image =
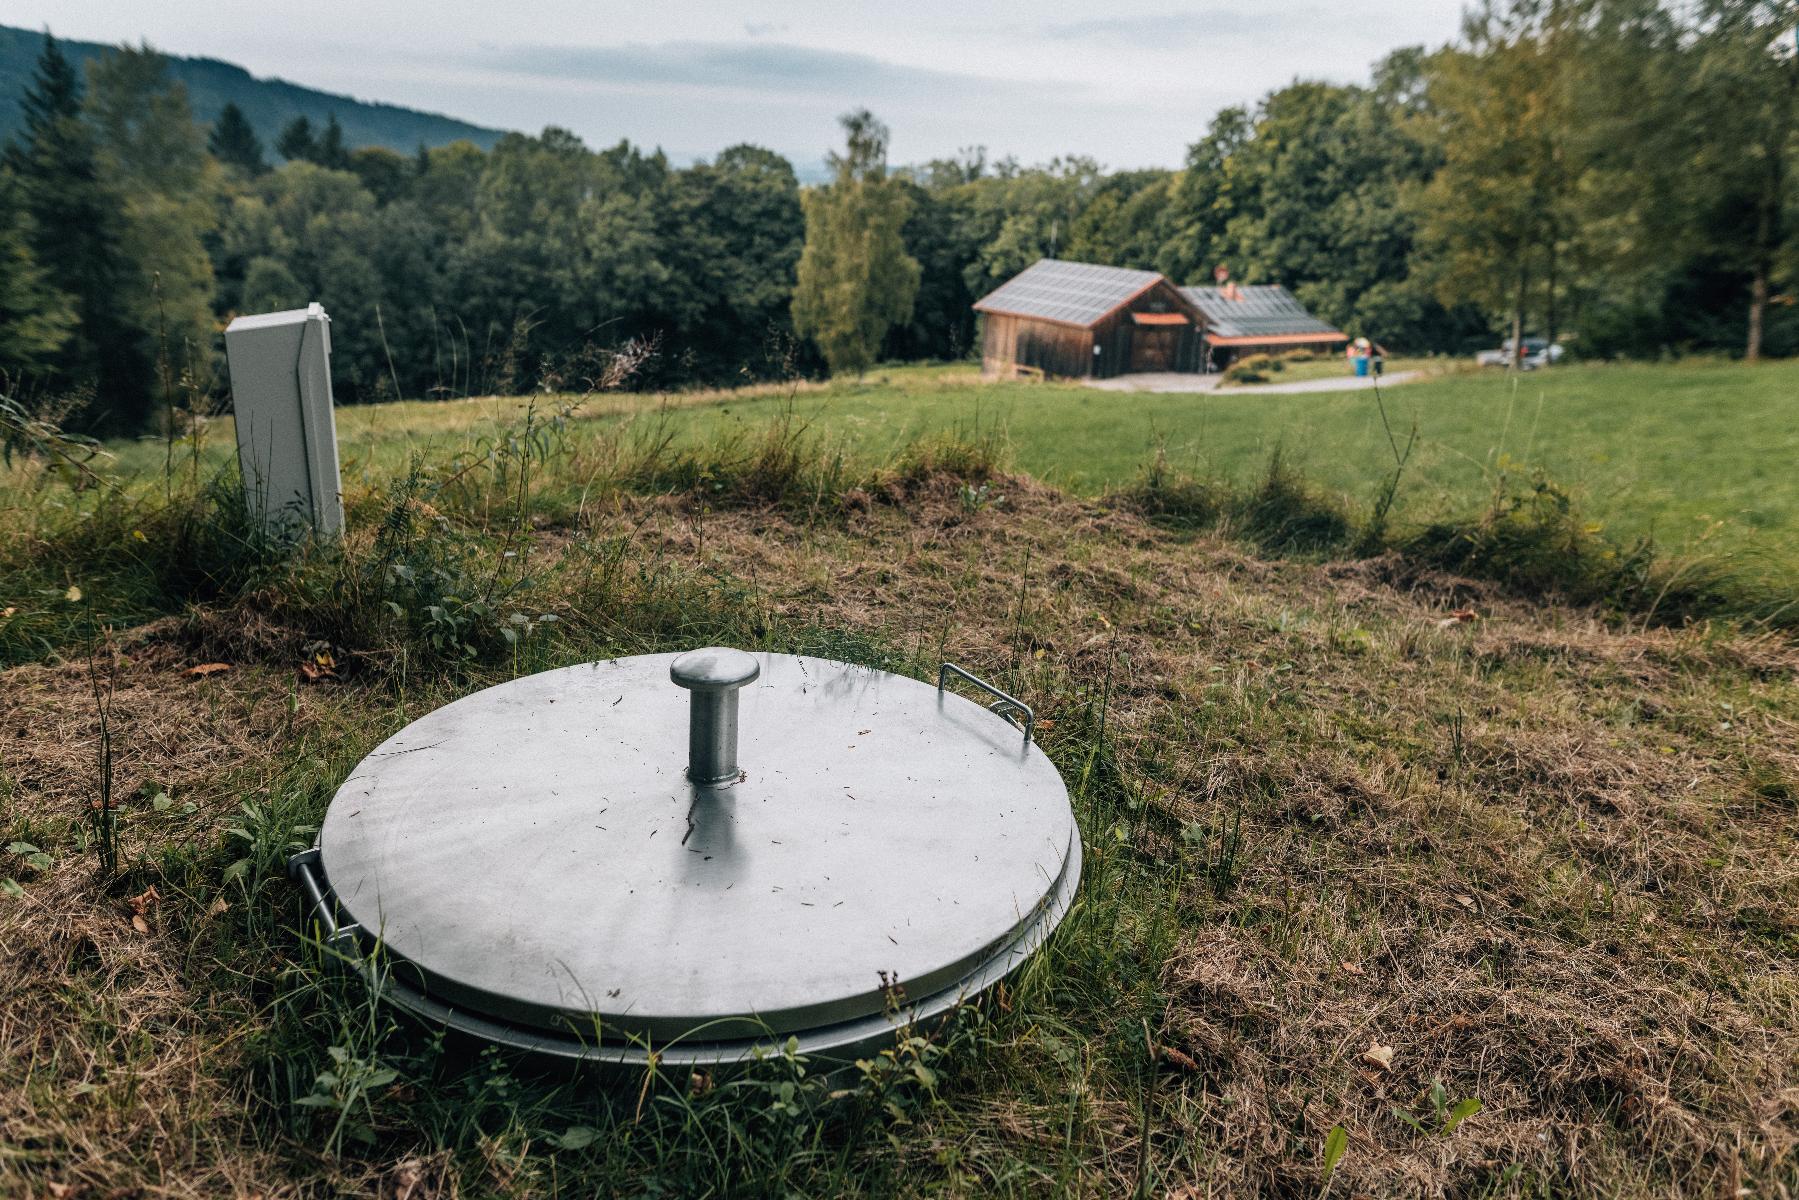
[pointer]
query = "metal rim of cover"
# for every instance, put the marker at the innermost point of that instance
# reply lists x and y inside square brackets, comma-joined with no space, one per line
[898,847]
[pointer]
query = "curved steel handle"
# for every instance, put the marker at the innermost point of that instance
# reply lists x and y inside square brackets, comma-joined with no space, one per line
[1004,705]
[302,868]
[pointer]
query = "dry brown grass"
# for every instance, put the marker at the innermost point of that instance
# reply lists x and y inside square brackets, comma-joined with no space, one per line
[1575,909]
[1548,862]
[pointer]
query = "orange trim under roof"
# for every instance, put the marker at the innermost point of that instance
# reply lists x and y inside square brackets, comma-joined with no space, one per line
[1160,318]
[1276,339]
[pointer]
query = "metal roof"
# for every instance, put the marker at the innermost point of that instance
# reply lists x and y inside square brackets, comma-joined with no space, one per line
[1255,312]
[1070,292]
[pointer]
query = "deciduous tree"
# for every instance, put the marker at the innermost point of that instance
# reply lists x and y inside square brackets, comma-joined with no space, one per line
[1498,208]
[855,279]
[1746,84]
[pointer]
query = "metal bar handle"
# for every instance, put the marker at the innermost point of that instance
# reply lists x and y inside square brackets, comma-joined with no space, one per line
[1004,705]
[302,868]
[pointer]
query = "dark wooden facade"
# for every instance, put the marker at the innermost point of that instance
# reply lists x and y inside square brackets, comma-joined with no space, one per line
[1155,330]
[1132,339]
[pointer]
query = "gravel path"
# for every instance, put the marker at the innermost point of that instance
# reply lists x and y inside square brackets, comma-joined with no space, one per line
[1176,382]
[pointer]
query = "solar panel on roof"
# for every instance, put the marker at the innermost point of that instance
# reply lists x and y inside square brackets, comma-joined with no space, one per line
[1260,311]
[1076,293]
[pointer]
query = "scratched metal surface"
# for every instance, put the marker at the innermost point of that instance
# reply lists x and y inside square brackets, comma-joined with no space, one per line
[535,852]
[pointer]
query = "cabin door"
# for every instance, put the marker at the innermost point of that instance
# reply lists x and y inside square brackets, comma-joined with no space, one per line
[1153,347]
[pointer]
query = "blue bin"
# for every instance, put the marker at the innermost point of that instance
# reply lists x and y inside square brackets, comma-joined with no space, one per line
[1361,364]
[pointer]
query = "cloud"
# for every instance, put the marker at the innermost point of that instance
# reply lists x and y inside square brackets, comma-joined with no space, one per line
[760,29]
[768,67]
[1165,29]
[687,96]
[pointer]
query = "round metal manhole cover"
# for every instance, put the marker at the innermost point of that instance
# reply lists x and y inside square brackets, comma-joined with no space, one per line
[536,852]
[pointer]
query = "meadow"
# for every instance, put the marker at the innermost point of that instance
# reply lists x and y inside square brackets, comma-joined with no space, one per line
[1698,456]
[1401,880]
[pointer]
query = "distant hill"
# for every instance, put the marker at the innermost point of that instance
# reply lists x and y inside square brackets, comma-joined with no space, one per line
[269,103]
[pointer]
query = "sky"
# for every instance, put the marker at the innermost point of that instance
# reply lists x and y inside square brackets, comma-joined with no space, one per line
[1130,83]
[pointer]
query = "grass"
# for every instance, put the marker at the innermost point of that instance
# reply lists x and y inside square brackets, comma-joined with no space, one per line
[1332,807]
[1696,455]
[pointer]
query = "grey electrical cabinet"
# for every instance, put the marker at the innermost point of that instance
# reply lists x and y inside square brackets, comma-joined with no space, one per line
[286,432]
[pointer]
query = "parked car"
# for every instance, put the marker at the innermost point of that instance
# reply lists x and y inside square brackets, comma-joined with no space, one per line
[1538,352]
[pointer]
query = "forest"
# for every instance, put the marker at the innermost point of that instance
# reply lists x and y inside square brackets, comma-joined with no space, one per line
[1618,174]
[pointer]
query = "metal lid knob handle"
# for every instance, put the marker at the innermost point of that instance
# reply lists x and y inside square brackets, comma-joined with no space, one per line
[714,675]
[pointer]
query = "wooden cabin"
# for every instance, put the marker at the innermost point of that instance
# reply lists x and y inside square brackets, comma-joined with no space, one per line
[1080,320]
[1257,320]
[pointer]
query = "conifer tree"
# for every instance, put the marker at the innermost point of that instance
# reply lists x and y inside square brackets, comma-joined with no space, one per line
[332,151]
[856,280]
[73,231]
[35,318]
[154,155]
[234,143]
[297,143]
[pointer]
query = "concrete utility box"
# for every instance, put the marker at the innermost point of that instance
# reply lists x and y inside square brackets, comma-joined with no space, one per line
[286,432]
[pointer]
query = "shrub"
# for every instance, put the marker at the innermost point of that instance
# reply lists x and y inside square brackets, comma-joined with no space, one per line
[1176,500]
[1253,368]
[1286,515]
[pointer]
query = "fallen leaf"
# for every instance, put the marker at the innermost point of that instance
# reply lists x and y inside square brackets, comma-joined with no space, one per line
[145,900]
[209,668]
[1350,968]
[1047,723]
[1377,1055]
[138,923]
[218,907]
[73,595]
[8,611]
[1466,901]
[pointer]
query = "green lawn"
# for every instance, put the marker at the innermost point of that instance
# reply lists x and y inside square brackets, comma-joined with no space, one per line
[1704,456]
